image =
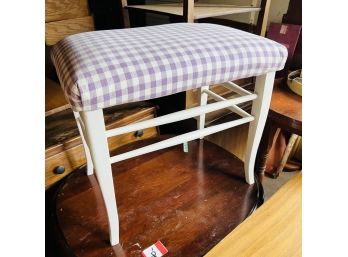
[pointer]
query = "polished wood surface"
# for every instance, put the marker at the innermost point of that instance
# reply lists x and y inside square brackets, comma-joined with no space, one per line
[285,113]
[189,201]
[273,230]
[286,108]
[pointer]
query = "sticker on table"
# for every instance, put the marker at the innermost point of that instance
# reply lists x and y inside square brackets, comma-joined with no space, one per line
[155,250]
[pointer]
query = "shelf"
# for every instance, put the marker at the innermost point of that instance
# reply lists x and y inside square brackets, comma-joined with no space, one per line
[200,10]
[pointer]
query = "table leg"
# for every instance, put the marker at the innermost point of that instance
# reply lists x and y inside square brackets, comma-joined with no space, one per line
[259,110]
[268,136]
[286,154]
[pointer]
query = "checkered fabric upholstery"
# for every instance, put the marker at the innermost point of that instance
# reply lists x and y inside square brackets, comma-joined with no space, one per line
[104,68]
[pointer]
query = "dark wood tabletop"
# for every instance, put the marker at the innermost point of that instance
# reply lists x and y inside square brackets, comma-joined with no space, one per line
[189,201]
[285,113]
[286,108]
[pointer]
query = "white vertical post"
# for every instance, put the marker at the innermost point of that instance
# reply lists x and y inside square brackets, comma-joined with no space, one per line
[202,100]
[98,146]
[263,89]
[89,163]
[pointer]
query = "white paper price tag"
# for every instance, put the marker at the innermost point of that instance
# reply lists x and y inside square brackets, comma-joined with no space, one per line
[155,250]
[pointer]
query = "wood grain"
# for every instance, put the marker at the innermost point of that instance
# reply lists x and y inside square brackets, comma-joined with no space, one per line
[57,10]
[54,98]
[74,157]
[190,205]
[286,154]
[273,230]
[57,30]
[233,140]
[61,130]
[285,113]
[64,145]
[200,12]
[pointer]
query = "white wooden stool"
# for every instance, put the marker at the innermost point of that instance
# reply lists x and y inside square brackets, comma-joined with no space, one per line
[104,68]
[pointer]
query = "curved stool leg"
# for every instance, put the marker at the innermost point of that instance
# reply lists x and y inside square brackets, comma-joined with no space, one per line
[263,89]
[89,163]
[98,146]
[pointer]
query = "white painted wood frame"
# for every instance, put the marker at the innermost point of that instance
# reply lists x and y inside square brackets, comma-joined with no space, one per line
[82,130]
[233,108]
[263,89]
[98,146]
[180,115]
[92,129]
[200,133]
[202,100]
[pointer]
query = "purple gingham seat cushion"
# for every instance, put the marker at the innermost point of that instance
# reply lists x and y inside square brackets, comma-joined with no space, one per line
[104,68]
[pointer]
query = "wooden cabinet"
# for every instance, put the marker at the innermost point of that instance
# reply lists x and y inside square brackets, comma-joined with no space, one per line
[64,146]
[64,151]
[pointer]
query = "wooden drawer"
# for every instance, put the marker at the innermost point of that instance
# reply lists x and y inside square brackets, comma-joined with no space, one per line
[64,146]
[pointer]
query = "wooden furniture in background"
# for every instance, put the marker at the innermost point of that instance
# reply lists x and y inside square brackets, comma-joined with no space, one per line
[286,107]
[62,18]
[54,98]
[194,11]
[63,142]
[190,205]
[191,11]
[294,16]
[285,113]
[64,149]
[273,230]
[289,148]
[57,30]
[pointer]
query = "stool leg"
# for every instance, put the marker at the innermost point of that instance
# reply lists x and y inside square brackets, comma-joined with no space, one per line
[263,89]
[97,140]
[202,99]
[80,125]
